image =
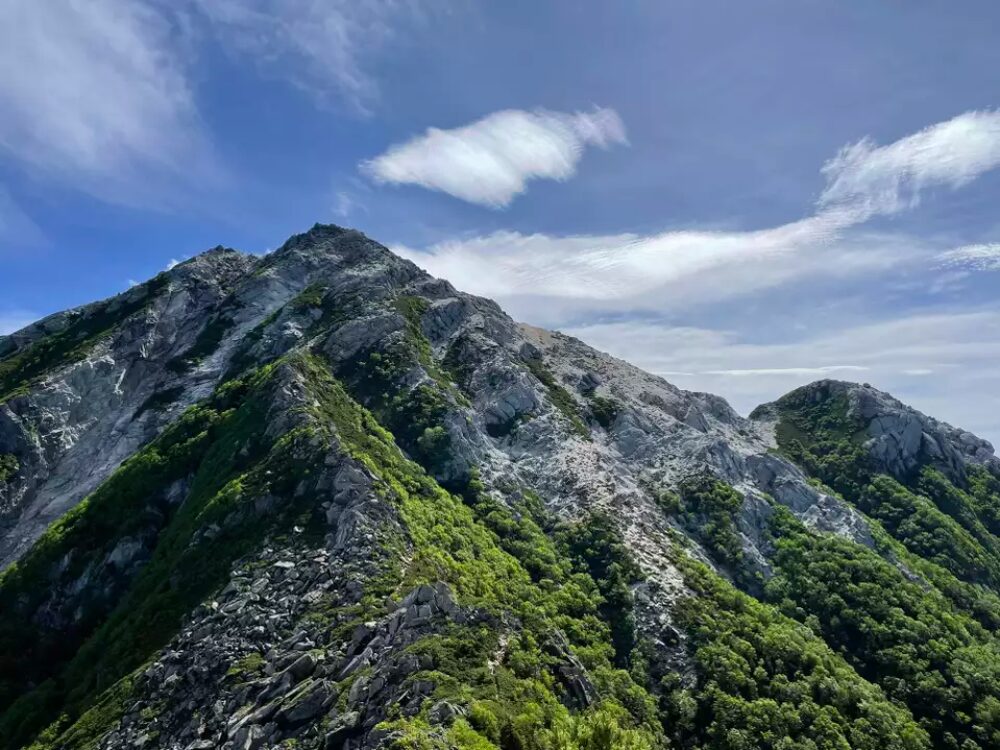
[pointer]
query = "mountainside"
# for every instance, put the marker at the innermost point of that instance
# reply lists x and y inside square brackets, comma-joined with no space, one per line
[321,499]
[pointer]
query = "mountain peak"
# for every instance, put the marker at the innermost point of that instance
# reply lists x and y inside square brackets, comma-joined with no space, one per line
[898,438]
[317,233]
[322,499]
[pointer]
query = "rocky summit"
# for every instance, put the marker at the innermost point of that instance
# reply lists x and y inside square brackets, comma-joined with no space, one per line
[321,499]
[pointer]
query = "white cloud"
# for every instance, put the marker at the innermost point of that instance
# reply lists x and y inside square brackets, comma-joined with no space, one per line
[94,94]
[99,94]
[344,204]
[546,279]
[984,257]
[15,320]
[795,371]
[941,363]
[322,46]
[557,277]
[490,161]
[875,179]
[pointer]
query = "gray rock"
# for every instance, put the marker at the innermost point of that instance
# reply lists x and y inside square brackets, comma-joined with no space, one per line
[307,705]
[288,598]
[444,712]
[302,667]
[249,737]
[341,729]
[571,671]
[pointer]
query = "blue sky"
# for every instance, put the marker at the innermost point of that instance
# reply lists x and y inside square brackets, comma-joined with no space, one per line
[743,197]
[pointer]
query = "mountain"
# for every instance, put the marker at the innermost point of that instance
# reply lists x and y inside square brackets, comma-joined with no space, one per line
[321,499]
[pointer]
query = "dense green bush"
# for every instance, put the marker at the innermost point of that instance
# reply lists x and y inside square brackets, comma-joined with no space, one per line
[9,466]
[948,525]
[819,435]
[706,508]
[764,681]
[752,676]
[604,410]
[925,530]
[984,490]
[500,560]
[902,635]
[222,446]
[596,547]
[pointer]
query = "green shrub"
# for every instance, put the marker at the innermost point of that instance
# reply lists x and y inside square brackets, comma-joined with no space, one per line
[706,507]
[764,681]
[223,445]
[906,637]
[560,397]
[604,410]
[9,466]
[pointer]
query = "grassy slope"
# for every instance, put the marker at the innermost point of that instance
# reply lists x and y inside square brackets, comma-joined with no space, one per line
[452,544]
[221,446]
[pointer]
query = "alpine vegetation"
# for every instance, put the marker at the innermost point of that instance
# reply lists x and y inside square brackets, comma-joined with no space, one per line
[321,500]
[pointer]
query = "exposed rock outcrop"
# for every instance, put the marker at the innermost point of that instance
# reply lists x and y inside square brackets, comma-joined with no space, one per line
[898,439]
[297,644]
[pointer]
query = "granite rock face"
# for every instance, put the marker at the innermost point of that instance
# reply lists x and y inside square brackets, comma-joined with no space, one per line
[897,438]
[72,425]
[75,424]
[498,403]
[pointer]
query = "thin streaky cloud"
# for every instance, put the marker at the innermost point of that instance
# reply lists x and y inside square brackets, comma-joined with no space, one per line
[983,257]
[16,227]
[799,371]
[323,47]
[898,354]
[346,205]
[874,179]
[95,95]
[101,95]
[548,279]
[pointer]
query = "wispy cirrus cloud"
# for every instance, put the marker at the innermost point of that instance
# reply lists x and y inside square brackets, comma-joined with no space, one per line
[16,227]
[102,95]
[323,47]
[983,257]
[874,179]
[95,95]
[550,279]
[489,162]
[811,372]
[645,283]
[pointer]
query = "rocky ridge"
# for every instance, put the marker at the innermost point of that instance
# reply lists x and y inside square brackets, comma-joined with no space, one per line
[898,438]
[476,399]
